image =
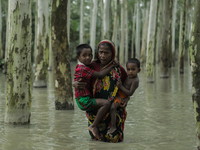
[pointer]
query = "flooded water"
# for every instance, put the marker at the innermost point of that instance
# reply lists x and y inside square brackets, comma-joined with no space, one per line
[160,116]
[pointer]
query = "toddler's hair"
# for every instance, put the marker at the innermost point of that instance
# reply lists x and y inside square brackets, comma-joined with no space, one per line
[134,60]
[80,47]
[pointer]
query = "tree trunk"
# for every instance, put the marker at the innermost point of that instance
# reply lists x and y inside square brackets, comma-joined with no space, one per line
[195,64]
[173,31]
[81,32]
[164,51]
[182,43]
[133,33]
[1,50]
[68,22]
[137,52]
[126,32]
[159,31]
[60,48]
[93,27]
[144,35]
[7,39]
[18,99]
[42,58]
[106,19]
[170,33]
[121,51]
[151,41]
[115,28]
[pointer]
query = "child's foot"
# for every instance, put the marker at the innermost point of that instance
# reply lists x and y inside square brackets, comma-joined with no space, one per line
[111,130]
[94,131]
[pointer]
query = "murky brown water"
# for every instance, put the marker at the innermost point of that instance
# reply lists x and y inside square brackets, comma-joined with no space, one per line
[160,116]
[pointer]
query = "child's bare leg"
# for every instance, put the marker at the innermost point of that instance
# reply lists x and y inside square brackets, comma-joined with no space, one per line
[113,108]
[104,106]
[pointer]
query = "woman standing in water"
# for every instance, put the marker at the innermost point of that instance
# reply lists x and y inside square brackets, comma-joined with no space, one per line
[106,88]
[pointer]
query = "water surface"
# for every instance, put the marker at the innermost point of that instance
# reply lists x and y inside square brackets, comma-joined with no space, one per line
[160,116]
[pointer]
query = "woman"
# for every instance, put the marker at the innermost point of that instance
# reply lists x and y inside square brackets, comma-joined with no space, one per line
[106,88]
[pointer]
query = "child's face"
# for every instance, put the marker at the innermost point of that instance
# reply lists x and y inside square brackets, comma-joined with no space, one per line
[132,69]
[85,56]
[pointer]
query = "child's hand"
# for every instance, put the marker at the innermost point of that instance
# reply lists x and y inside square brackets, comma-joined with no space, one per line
[115,63]
[119,83]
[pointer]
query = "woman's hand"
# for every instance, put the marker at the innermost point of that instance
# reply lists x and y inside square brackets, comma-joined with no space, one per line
[119,83]
[116,63]
[79,84]
[124,102]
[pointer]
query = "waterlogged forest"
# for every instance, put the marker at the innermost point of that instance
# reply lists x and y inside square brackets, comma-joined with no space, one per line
[39,37]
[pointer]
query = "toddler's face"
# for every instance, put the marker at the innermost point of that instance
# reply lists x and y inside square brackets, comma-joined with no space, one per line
[132,69]
[85,56]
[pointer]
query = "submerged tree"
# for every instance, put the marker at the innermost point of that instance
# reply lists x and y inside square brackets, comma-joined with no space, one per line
[61,59]
[151,41]
[1,50]
[182,38]
[93,27]
[164,51]
[18,98]
[40,76]
[195,64]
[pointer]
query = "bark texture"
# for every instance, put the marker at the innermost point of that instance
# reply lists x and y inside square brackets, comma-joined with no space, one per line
[195,64]
[61,56]
[151,41]
[182,43]
[18,98]
[40,76]
[164,51]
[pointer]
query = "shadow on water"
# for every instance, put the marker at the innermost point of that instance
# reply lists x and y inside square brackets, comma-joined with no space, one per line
[160,116]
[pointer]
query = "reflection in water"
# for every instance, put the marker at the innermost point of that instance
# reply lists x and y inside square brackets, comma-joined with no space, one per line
[160,116]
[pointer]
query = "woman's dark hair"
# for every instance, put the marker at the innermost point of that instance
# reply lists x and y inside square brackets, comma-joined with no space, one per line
[134,60]
[80,47]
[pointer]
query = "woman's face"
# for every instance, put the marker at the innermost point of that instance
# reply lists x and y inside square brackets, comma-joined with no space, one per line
[104,54]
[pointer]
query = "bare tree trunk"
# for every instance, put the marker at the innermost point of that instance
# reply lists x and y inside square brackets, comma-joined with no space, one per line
[137,52]
[1,50]
[18,99]
[7,39]
[144,35]
[93,27]
[126,32]
[60,48]
[121,51]
[164,51]
[159,31]
[81,33]
[68,21]
[106,19]
[195,64]
[40,76]
[133,33]
[170,33]
[115,28]
[182,43]
[173,31]
[151,41]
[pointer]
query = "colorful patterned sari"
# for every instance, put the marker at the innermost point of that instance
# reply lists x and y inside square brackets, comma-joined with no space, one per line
[106,88]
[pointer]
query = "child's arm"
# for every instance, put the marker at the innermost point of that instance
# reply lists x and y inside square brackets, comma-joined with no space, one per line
[105,71]
[134,86]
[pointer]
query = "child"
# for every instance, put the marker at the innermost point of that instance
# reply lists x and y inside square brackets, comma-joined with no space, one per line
[83,97]
[127,89]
